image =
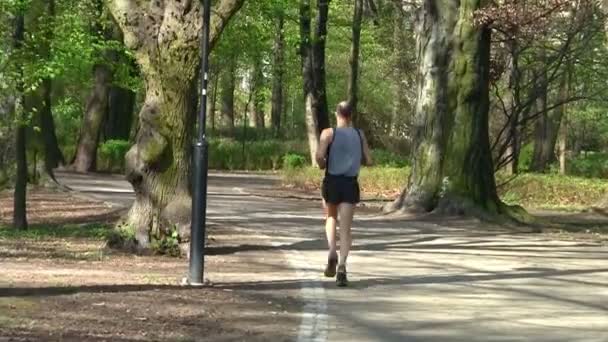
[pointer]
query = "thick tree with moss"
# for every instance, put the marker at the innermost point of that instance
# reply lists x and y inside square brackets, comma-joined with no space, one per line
[165,38]
[452,168]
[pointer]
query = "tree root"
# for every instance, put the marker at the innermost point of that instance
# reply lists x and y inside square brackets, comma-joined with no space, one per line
[456,206]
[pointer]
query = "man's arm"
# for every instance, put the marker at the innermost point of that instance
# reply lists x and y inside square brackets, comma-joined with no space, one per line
[367,155]
[325,140]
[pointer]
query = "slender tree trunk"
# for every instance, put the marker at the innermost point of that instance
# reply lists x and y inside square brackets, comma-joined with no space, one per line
[121,107]
[563,137]
[318,65]
[561,114]
[52,154]
[397,70]
[165,37]
[511,101]
[312,52]
[19,204]
[46,137]
[227,95]
[277,75]
[353,81]
[452,168]
[308,78]
[259,99]
[96,109]
[546,130]
[212,101]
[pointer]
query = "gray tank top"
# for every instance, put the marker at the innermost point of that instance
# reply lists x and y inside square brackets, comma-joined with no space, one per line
[345,153]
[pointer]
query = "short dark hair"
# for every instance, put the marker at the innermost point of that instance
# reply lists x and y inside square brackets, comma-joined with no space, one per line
[344,109]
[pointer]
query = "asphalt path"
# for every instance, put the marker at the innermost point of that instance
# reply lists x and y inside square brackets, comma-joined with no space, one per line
[411,280]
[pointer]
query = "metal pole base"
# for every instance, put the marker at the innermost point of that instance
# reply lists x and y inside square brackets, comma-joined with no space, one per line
[187,283]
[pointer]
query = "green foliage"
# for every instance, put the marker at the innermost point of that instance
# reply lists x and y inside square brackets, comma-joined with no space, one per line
[112,153]
[167,245]
[525,156]
[294,161]
[590,165]
[388,159]
[229,154]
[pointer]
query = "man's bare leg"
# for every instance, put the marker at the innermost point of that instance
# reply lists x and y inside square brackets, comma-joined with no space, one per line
[331,220]
[346,213]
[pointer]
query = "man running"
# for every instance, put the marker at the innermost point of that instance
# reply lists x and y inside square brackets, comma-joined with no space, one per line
[342,151]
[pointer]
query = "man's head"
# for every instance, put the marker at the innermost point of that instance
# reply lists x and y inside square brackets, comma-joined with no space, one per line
[344,110]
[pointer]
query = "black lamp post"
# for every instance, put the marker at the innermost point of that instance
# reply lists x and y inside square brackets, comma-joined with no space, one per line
[200,165]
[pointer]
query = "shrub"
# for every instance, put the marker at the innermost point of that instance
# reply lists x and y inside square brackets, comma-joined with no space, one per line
[111,155]
[293,161]
[525,156]
[388,159]
[167,245]
[590,165]
[230,154]
[225,154]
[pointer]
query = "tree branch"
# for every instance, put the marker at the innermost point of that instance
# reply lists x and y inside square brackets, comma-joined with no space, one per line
[129,16]
[220,16]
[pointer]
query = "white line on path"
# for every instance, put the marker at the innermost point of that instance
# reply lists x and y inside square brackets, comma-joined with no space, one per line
[314,326]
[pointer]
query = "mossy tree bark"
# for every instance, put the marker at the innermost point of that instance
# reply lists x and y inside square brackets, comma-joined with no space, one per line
[452,169]
[165,38]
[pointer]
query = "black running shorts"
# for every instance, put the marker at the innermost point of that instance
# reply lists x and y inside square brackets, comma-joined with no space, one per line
[340,189]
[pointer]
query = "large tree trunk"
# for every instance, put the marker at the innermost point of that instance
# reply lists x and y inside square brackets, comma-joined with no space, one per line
[95,111]
[165,37]
[452,168]
[312,52]
[19,198]
[277,76]
[353,81]
[228,85]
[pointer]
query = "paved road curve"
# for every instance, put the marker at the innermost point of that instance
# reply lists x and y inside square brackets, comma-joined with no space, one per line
[412,280]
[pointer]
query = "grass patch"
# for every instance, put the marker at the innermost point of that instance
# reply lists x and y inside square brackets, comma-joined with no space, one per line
[377,182]
[45,232]
[554,191]
[536,191]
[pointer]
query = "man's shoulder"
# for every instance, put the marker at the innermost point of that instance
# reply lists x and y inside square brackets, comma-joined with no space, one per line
[327,133]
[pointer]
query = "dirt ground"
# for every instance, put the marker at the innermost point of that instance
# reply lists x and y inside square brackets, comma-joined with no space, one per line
[56,285]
